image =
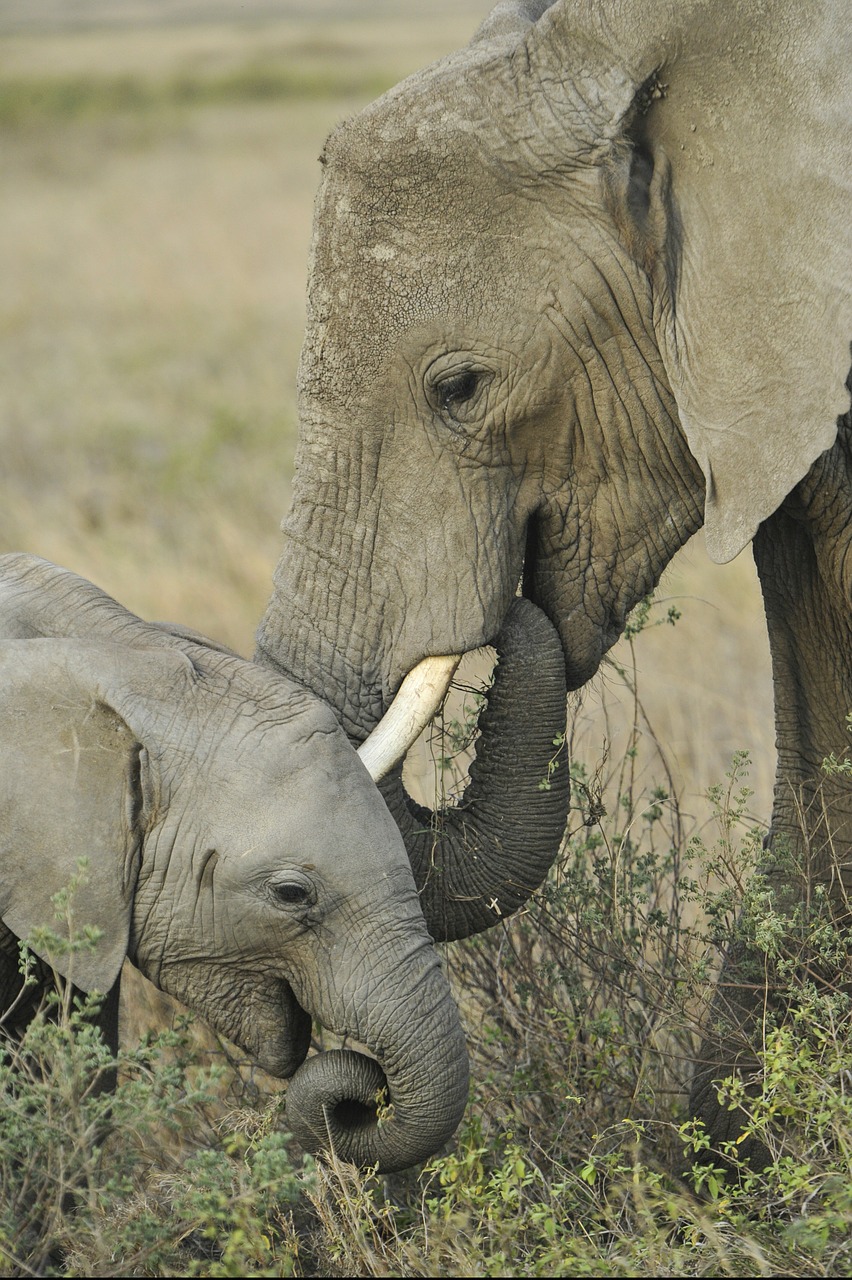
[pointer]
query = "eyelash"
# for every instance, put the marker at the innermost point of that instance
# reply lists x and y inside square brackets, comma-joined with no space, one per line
[458,389]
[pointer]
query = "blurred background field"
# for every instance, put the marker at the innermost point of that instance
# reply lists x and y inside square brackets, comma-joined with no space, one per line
[158,160]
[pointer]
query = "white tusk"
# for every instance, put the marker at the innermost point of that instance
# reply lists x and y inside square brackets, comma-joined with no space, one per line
[420,695]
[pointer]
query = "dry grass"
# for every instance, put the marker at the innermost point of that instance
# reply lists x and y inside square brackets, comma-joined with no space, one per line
[704,684]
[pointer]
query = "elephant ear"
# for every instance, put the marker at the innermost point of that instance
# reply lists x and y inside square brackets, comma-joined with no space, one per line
[38,598]
[729,124]
[70,789]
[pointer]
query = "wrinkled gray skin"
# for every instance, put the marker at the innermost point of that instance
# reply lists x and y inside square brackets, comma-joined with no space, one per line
[239,854]
[576,290]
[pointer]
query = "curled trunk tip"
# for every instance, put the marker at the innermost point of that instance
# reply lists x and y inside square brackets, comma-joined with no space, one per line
[334,1100]
[342,1101]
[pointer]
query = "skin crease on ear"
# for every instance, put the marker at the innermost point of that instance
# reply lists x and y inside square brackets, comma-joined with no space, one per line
[239,852]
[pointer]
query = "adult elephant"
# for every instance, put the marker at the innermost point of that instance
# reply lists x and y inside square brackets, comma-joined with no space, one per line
[239,854]
[575,290]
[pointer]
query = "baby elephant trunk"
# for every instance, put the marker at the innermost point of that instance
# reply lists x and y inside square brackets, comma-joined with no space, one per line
[399,1108]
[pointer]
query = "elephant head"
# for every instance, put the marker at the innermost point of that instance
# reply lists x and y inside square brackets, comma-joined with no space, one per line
[574,290]
[238,853]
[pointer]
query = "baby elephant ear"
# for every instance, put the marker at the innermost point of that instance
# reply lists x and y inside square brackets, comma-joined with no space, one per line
[69,791]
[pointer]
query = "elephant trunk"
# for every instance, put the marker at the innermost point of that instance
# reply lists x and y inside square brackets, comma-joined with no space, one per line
[398,1109]
[481,861]
[336,657]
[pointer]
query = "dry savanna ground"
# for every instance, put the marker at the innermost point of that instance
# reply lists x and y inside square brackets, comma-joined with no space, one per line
[158,168]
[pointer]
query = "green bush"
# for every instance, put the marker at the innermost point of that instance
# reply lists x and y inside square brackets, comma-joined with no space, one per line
[134,1179]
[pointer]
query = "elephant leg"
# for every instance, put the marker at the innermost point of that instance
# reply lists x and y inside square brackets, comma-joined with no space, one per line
[802,556]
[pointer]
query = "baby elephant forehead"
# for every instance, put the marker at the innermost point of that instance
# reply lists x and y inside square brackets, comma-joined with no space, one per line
[291,711]
[246,693]
[294,789]
[281,725]
[310,747]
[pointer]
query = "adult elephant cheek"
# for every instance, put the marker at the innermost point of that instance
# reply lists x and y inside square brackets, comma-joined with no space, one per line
[399,1108]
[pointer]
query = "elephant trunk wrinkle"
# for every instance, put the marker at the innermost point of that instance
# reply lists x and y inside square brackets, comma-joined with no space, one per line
[481,861]
[290,638]
[397,1108]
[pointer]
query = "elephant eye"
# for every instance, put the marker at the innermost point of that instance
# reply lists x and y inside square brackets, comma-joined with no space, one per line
[456,391]
[291,893]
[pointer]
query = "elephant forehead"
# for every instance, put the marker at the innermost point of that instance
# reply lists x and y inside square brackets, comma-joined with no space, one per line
[243,731]
[236,704]
[281,768]
[309,801]
[400,243]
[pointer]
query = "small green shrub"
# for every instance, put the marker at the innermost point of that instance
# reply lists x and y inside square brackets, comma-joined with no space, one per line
[134,1179]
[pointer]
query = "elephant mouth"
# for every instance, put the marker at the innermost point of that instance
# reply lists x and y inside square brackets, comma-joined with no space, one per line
[424,689]
[283,1053]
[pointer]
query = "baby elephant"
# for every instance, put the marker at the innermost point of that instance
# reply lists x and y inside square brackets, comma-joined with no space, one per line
[238,853]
